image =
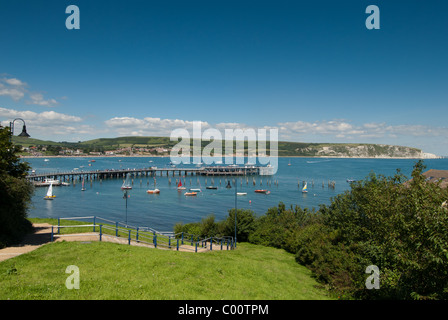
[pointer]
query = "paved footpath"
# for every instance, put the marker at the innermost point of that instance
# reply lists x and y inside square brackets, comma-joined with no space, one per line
[32,241]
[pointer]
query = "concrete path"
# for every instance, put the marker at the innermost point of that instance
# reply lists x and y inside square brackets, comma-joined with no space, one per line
[32,241]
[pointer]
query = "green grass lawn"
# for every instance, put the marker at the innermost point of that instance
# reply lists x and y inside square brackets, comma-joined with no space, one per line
[114,271]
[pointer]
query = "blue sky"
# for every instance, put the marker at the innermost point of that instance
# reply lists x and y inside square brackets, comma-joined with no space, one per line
[310,68]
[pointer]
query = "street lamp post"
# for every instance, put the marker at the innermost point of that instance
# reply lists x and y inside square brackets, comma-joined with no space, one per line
[23,133]
[126,197]
[236,208]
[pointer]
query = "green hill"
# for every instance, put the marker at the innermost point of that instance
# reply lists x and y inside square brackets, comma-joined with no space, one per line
[298,149]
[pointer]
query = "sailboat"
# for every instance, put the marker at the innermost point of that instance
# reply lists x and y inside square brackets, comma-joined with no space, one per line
[305,189]
[179,186]
[127,183]
[82,187]
[50,195]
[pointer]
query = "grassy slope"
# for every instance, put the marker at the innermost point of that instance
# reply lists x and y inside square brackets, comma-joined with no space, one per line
[113,271]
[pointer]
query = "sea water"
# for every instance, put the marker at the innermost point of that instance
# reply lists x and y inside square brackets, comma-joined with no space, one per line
[162,211]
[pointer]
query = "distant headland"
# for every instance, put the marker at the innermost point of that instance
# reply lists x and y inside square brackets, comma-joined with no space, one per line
[162,146]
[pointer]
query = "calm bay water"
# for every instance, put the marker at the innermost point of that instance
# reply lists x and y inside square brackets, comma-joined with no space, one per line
[162,211]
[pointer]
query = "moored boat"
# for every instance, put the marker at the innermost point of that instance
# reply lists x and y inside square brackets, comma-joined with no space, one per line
[263,191]
[190,193]
[153,191]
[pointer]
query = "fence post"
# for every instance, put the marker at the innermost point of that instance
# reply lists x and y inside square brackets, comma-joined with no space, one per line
[59,223]
[101,232]
[136,237]
[191,239]
[195,247]
[177,244]
[169,242]
[129,237]
[51,233]
[94,223]
[221,244]
[182,235]
[211,243]
[155,241]
[116,228]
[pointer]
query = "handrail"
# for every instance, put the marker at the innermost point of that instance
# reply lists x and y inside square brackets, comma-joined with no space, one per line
[158,239]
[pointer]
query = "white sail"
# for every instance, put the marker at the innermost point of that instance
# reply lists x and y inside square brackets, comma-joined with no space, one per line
[127,182]
[50,191]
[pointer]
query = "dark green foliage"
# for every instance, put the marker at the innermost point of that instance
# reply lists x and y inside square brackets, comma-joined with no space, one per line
[277,228]
[15,192]
[399,226]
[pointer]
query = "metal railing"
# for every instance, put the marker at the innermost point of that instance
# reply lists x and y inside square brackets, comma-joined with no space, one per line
[146,236]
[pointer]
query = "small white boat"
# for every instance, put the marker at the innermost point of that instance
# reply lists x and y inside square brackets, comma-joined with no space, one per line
[46,160]
[195,190]
[50,195]
[190,193]
[127,183]
[241,193]
[155,191]
[48,182]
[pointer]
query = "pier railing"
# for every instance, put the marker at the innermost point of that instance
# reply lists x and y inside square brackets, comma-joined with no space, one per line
[144,235]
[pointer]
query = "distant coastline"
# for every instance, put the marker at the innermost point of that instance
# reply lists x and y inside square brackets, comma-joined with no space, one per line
[158,156]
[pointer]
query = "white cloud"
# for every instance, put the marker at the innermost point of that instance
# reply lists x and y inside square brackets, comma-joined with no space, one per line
[149,126]
[344,129]
[38,99]
[14,82]
[48,124]
[16,90]
[13,93]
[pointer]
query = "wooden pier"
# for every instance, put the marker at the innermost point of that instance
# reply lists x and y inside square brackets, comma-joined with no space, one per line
[39,178]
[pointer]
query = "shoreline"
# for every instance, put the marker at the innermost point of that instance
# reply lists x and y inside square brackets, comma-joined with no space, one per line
[155,156]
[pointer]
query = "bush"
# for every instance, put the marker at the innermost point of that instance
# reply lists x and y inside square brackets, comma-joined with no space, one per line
[399,227]
[15,192]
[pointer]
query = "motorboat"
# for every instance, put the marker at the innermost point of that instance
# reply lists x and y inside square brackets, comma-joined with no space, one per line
[154,191]
[190,193]
[262,191]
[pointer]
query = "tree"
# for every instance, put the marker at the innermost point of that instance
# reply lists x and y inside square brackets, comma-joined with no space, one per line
[398,226]
[15,192]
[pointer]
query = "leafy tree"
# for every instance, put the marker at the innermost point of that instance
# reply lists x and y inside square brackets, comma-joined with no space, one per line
[15,192]
[399,226]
